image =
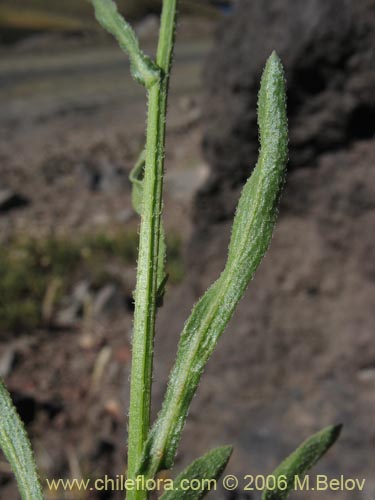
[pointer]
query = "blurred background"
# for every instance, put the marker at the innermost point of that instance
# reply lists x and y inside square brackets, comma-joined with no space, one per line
[299,353]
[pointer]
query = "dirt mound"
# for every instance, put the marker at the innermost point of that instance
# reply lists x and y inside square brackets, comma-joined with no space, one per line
[326,50]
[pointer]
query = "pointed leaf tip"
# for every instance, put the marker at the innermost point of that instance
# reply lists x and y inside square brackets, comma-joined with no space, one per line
[16,447]
[301,461]
[206,470]
[251,234]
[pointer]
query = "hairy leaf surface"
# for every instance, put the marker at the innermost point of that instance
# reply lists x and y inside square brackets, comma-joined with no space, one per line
[203,470]
[301,461]
[16,447]
[251,235]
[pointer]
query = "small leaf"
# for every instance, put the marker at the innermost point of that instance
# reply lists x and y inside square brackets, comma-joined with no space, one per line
[252,231]
[143,69]
[16,447]
[136,178]
[301,461]
[162,276]
[206,470]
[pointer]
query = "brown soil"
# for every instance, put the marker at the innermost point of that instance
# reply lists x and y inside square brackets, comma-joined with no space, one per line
[72,126]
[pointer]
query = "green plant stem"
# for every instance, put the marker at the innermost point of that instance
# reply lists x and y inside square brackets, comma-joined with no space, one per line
[146,289]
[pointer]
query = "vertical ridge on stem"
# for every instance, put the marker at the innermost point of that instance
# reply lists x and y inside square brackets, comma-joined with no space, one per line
[149,242]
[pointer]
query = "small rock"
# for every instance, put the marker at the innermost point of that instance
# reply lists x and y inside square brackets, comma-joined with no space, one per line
[87,342]
[182,184]
[366,375]
[125,215]
[147,27]
[104,176]
[101,363]
[68,317]
[112,178]
[130,279]
[81,292]
[7,361]
[10,200]
[26,406]
[123,355]
[107,300]
[80,297]
[113,408]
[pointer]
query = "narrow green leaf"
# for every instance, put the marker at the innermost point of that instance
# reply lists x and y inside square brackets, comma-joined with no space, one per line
[162,276]
[251,235]
[136,178]
[301,461]
[143,69]
[16,447]
[205,470]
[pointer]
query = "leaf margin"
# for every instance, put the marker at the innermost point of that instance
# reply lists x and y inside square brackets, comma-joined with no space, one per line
[301,460]
[209,466]
[17,449]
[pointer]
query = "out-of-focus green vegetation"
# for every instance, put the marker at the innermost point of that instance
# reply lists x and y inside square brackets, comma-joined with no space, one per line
[78,14]
[31,268]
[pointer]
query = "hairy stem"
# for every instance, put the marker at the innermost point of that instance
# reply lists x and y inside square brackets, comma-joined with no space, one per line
[146,289]
[251,235]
